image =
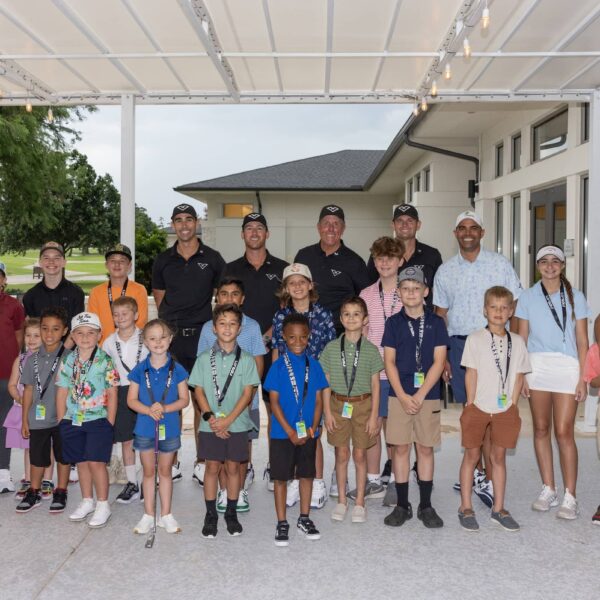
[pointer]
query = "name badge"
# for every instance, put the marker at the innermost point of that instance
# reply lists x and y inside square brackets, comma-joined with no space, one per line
[347,410]
[78,419]
[502,400]
[40,412]
[418,379]
[301,429]
[162,432]
[220,415]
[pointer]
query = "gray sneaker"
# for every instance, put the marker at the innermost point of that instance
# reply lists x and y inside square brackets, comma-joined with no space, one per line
[505,520]
[467,520]
[373,489]
[391,497]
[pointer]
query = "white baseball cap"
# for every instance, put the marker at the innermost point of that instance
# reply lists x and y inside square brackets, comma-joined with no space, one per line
[468,214]
[550,251]
[297,269]
[85,319]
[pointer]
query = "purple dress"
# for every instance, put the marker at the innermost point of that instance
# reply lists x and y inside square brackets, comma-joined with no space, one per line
[14,418]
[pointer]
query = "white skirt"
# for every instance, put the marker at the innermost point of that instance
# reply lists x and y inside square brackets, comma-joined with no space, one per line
[553,372]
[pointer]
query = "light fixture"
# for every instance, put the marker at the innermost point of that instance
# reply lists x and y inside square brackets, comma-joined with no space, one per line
[28,106]
[50,115]
[434,89]
[485,17]
[467,48]
[424,106]
[447,72]
[415,109]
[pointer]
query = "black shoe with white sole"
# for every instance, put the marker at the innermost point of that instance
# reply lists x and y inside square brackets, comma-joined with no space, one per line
[32,500]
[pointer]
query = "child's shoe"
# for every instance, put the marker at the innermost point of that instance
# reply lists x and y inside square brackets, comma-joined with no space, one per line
[169,524]
[249,476]
[467,520]
[398,516]
[47,489]
[210,526]
[145,525]
[267,476]
[505,520]
[307,527]
[85,507]
[546,500]
[319,494]
[243,504]
[24,485]
[339,512]
[73,474]
[221,501]
[282,534]
[568,509]
[129,493]
[387,472]
[596,517]
[359,514]
[176,474]
[59,501]
[293,492]
[429,517]
[31,500]
[6,482]
[101,515]
[234,527]
[198,474]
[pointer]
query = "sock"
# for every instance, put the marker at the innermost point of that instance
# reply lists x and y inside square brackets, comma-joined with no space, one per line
[402,492]
[211,506]
[373,477]
[425,488]
[130,472]
[231,505]
[282,522]
[303,516]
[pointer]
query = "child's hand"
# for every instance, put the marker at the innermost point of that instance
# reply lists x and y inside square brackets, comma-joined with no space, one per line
[25,430]
[525,390]
[372,427]
[156,411]
[330,424]
[581,391]
[19,400]
[220,426]
[296,440]
[409,405]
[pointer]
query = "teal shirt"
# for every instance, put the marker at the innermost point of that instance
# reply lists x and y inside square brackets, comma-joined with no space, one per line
[245,374]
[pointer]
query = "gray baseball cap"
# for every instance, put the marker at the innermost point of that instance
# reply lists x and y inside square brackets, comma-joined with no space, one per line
[412,274]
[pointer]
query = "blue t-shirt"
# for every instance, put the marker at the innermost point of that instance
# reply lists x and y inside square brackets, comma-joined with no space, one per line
[145,424]
[397,335]
[278,380]
[544,333]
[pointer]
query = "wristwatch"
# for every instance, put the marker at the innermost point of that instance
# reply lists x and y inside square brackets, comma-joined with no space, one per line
[207,416]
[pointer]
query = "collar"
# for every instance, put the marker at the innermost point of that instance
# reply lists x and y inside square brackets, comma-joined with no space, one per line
[62,284]
[266,262]
[349,342]
[199,251]
[297,358]
[479,257]
[339,251]
[409,318]
[218,350]
[42,353]
[148,365]
[135,336]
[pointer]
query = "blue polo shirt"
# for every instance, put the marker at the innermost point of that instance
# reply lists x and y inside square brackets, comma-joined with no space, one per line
[144,425]
[278,380]
[397,335]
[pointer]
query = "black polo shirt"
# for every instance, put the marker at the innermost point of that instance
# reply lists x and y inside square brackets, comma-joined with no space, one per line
[260,286]
[427,258]
[338,276]
[188,285]
[66,294]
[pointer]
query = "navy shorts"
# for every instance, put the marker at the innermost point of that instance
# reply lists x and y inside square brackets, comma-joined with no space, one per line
[91,441]
[384,394]
[142,444]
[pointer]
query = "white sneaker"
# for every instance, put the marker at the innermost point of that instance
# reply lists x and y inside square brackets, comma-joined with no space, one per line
[568,509]
[221,501]
[101,515]
[6,483]
[293,492]
[249,476]
[169,523]
[73,474]
[85,507]
[319,494]
[243,504]
[198,474]
[547,499]
[333,488]
[144,525]
[176,472]
[267,476]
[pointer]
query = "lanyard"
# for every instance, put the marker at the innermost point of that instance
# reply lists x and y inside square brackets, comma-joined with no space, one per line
[138,355]
[350,384]
[563,304]
[123,291]
[382,298]
[418,354]
[80,373]
[220,394]
[503,378]
[294,383]
[36,370]
[167,385]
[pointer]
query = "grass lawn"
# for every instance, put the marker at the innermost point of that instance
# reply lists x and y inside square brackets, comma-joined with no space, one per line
[18,264]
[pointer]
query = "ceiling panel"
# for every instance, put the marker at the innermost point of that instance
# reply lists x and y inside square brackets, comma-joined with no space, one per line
[302,74]
[55,74]
[353,74]
[153,74]
[299,26]
[504,73]
[401,73]
[588,80]
[362,26]
[199,74]
[555,72]
[102,74]
[255,74]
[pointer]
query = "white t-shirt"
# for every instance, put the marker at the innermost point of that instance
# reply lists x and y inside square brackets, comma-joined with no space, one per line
[130,350]
[478,355]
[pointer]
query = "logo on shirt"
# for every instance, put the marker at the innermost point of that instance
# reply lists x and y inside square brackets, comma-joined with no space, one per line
[202,265]
[271,276]
[335,273]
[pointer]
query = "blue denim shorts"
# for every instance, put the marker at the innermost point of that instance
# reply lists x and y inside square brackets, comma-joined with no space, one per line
[141,444]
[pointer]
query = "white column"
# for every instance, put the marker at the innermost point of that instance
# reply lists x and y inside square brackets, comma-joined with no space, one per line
[128,175]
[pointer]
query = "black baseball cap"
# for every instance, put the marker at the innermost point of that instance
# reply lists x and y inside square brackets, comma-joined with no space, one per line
[405,210]
[184,209]
[332,210]
[254,218]
[118,249]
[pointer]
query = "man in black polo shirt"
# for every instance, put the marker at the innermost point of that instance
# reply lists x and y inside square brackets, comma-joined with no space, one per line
[405,223]
[54,289]
[184,279]
[338,271]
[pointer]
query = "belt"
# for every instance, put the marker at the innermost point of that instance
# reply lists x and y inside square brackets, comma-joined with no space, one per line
[351,398]
[460,337]
[188,331]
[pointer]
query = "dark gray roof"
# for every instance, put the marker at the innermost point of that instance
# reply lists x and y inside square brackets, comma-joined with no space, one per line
[346,170]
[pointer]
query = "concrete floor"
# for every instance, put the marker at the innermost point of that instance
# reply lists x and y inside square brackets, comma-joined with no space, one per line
[45,556]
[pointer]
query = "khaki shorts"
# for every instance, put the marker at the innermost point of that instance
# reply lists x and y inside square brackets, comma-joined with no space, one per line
[504,427]
[353,428]
[423,428]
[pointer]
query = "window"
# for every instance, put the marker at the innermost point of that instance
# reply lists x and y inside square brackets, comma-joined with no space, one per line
[585,122]
[418,182]
[426,179]
[516,234]
[584,230]
[499,226]
[516,152]
[550,136]
[237,211]
[499,169]
[409,191]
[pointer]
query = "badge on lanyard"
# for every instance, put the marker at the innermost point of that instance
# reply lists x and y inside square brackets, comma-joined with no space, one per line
[162,432]
[220,415]
[301,429]
[347,410]
[502,400]
[78,418]
[418,379]
[40,412]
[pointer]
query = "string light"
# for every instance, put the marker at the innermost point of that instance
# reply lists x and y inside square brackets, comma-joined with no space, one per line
[485,17]
[424,106]
[467,48]
[447,72]
[415,109]
[50,115]
[28,106]
[434,89]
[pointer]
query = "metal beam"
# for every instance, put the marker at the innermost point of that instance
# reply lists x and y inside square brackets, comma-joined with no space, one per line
[127,228]
[267,13]
[199,18]
[329,44]
[12,71]
[388,41]
[579,73]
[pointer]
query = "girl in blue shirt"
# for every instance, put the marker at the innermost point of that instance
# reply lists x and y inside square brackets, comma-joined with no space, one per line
[157,392]
[553,321]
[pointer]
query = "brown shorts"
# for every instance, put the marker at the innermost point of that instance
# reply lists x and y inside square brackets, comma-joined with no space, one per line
[353,428]
[504,427]
[423,428]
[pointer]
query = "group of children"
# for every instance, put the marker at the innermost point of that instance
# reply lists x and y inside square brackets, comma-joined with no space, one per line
[76,404]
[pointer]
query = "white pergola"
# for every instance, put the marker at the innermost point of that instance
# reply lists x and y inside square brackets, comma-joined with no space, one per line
[128,52]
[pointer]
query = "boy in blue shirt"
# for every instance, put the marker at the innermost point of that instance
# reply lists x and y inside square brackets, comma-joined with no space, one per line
[295,382]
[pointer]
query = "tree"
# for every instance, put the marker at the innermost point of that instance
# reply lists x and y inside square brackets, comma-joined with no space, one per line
[150,240]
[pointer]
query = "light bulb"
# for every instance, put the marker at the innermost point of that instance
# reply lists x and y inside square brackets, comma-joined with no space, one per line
[424,106]
[434,89]
[485,17]
[415,109]
[28,107]
[50,115]
[467,47]
[447,72]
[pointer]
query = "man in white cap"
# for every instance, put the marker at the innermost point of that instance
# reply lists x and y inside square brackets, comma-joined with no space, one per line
[458,292]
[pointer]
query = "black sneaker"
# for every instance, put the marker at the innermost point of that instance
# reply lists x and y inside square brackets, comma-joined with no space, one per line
[210,525]
[129,493]
[399,516]
[430,518]
[387,472]
[234,527]
[282,534]
[31,500]
[59,501]
[415,473]
[307,527]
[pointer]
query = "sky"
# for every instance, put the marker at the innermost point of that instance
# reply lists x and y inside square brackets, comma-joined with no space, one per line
[176,145]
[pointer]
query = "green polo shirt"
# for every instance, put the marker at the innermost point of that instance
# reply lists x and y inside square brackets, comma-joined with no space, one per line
[245,374]
[369,363]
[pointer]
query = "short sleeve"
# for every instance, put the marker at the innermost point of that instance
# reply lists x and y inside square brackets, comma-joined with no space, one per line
[93,305]
[524,365]
[219,267]
[63,379]
[112,376]
[591,369]
[27,374]
[582,310]
[18,317]
[330,332]
[441,337]
[522,311]
[469,357]
[136,374]
[376,361]
[389,334]
[276,334]
[271,380]
[257,346]
[196,378]
[319,378]
[204,341]
[511,280]
[250,373]
[180,374]
[325,359]
[439,290]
